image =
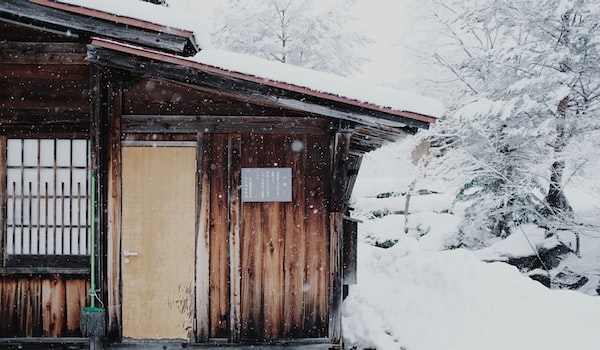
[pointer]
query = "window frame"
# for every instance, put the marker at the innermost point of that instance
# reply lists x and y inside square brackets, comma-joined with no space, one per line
[40,263]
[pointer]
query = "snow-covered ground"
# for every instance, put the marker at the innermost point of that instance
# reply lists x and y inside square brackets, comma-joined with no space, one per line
[417,296]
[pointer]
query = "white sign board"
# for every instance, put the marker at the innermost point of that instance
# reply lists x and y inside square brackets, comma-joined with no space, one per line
[266,184]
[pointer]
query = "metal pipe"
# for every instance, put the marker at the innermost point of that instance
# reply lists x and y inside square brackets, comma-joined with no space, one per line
[93,242]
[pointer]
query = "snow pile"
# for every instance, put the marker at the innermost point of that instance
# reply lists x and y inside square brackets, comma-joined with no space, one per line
[409,298]
[418,296]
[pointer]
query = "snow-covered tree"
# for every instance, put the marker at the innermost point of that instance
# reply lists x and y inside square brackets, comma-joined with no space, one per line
[531,69]
[300,32]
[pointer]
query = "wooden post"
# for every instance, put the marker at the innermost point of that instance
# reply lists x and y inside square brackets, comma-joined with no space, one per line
[235,218]
[113,249]
[341,152]
[2,199]
[203,239]
[335,278]
[340,163]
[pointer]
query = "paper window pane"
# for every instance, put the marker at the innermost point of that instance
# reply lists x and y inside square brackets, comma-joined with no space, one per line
[63,153]
[47,153]
[47,196]
[14,151]
[30,152]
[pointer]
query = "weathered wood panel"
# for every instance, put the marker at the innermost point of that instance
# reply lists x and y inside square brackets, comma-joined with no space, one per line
[273,221]
[203,239]
[41,306]
[285,255]
[53,306]
[317,187]
[335,279]
[29,307]
[155,97]
[14,32]
[252,238]
[8,312]
[76,294]
[295,241]
[340,194]
[27,52]
[44,80]
[219,235]
[113,216]
[45,97]
[235,225]
[161,124]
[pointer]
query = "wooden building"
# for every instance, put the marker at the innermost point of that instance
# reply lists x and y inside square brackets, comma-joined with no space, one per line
[220,207]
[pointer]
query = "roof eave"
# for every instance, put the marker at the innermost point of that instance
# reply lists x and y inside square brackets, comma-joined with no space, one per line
[119,55]
[74,20]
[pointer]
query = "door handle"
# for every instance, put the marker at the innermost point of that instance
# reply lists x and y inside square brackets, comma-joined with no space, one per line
[128,253]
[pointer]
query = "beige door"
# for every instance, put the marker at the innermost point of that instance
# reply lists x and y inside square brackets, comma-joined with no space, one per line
[157,261]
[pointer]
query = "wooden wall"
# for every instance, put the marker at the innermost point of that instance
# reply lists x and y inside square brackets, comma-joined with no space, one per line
[41,306]
[284,246]
[45,89]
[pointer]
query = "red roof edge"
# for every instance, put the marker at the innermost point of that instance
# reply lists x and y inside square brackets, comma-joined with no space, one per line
[115,18]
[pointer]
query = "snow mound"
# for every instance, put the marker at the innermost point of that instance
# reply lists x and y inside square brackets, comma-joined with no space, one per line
[411,299]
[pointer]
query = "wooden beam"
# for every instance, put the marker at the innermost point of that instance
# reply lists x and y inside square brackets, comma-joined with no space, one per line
[39,123]
[73,20]
[42,53]
[224,124]
[43,271]
[49,261]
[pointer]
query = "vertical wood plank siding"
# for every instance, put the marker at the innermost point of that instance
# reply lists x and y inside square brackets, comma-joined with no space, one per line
[235,226]
[295,241]
[252,241]
[218,266]
[41,306]
[316,279]
[203,239]
[285,254]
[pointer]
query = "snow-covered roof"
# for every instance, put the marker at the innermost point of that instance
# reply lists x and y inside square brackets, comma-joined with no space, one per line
[349,88]
[354,89]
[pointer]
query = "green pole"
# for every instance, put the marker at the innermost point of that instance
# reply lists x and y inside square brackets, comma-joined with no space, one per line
[93,243]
